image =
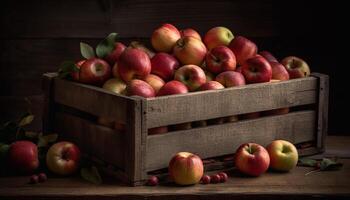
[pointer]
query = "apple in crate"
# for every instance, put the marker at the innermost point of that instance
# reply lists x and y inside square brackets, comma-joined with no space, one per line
[283,155]
[164,38]
[158,130]
[173,87]
[243,49]
[94,71]
[164,65]
[63,158]
[133,63]
[190,50]
[75,74]
[189,32]
[257,70]
[23,157]
[268,56]
[141,88]
[296,67]
[218,36]
[252,159]
[211,85]
[191,75]
[220,59]
[186,168]
[230,79]
[155,81]
[279,72]
[113,57]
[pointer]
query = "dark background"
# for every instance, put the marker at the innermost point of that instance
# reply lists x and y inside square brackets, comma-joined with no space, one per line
[36,36]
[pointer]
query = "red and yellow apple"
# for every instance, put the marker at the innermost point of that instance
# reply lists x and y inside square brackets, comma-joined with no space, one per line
[115,85]
[283,155]
[190,50]
[218,36]
[155,81]
[252,159]
[220,59]
[296,67]
[63,158]
[94,71]
[230,79]
[133,63]
[113,57]
[186,168]
[211,85]
[191,75]
[142,47]
[173,87]
[164,38]
[164,65]
[268,56]
[189,32]
[243,49]
[279,72]
[257,70]
[23,156]
[141,88]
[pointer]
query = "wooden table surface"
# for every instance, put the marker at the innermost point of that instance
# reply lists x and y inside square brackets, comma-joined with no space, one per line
[328,184]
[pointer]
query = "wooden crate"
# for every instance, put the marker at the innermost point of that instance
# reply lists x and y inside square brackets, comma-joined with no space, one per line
[71,109]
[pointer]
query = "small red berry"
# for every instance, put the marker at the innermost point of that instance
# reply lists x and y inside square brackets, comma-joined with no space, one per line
[205,179]
[223,177]
[42,177]
[34,179]
[215,178]
[153,181]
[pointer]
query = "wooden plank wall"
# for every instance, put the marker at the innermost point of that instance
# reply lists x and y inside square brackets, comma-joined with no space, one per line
[37,35]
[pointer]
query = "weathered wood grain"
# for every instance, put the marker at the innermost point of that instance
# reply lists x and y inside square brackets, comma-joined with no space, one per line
[223,139]
[90,99]
[104,143]
[230,101]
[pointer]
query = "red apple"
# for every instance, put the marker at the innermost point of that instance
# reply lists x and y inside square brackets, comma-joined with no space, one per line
[283,155]
[218,36]
[243,49]
[268,56]
[75,74]
[211,85]
[279,72]
[189,50]
[140,46]
[133,63]
[230,79]
[63,158]
[172,87]
[155,81]
[257,70]
[296,67]
[94,71]
[189,32]
[220,59]
[140,88]
[164,65]
[239,69]
[164,38]
[158,130]
[252,115]
[191,75]
[182,126]
[252,159]
[186,168]
[113,57]
[23,157]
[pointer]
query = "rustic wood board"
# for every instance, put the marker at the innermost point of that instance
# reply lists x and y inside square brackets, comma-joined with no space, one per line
[223,139]
[217,103]
[293,185]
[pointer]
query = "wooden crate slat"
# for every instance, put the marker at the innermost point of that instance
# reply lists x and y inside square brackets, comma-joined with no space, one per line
[102,142]
[223,139]
[90,99]
[231,101]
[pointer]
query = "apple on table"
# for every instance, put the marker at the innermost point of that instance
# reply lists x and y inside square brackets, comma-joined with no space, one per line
[283,155]
[23,156]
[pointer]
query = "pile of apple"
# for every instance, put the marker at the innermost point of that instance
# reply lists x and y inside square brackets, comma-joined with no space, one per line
[250,159]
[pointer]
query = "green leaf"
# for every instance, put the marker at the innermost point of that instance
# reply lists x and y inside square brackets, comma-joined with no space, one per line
[86,50]
[307,162]
[4,148]
[91,174]
[26,120]
[106,46]
[328,164]
[66,68]
[44,140]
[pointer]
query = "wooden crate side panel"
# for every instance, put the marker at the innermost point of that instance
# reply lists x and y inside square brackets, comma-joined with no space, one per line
[47,87]
[231,101]
[90,99]
[98,141]
[223,139]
